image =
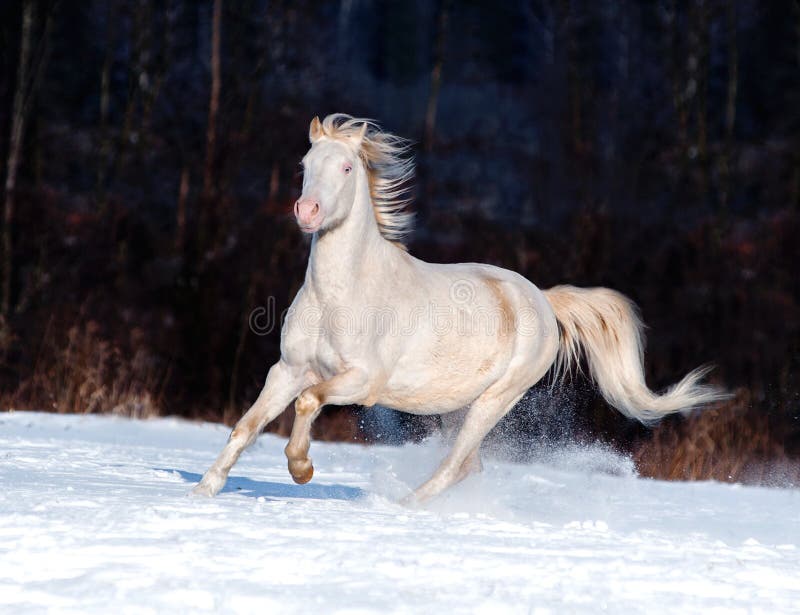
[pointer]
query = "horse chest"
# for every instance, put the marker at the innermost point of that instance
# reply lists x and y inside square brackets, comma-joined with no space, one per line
[326,360]
[308,344]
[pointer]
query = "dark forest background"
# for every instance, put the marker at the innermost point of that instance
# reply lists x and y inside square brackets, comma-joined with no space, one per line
[150,150]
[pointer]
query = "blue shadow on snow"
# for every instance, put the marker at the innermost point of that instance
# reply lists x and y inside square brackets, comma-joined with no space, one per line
[259,488]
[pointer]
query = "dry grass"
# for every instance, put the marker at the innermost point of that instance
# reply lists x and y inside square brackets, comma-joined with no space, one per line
[730,442]
[85,373]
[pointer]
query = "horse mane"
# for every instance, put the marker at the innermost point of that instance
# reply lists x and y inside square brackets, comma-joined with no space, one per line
[390,171]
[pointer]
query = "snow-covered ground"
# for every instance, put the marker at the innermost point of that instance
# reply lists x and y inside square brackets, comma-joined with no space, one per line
[94,517]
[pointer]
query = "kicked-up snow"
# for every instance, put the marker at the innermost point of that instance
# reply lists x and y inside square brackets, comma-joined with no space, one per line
[95,517]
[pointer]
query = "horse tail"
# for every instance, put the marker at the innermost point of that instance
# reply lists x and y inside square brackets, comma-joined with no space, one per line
[605,325]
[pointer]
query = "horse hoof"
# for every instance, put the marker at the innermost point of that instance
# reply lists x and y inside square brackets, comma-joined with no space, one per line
[204,490]
[209,486]
[301,472]
[408,501]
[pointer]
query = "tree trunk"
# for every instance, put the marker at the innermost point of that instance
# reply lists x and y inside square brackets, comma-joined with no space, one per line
[244,329]
[797,28]
[674,52]
[436,77]
[796,182]
[730,106]
[180,222]
[568,27]
[343,36]
[15,151]
[274,184]
[104,157]
[429,130]
[157,69]
[213,104]
[696,96]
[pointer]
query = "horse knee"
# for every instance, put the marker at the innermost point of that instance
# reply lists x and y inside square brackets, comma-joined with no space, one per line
[247,428]
[242,435]
[307,403]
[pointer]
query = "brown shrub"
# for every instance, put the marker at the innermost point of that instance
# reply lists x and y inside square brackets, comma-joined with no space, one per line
[732,442]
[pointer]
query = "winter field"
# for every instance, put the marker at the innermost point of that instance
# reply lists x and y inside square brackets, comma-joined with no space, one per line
[95,517]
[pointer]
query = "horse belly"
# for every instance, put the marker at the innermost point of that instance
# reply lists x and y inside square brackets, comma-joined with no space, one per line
[443,382]
[429,398]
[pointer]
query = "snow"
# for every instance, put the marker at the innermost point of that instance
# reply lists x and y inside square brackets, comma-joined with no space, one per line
[94,514]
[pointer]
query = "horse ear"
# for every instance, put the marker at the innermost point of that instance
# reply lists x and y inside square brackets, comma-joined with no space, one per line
[361,134]
[315,130]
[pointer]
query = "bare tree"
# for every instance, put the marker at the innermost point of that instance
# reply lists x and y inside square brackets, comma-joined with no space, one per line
[29,72]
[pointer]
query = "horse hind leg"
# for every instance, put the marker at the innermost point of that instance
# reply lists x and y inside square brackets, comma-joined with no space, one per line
[464,458]
[451,423]
[484,413]
[472,465]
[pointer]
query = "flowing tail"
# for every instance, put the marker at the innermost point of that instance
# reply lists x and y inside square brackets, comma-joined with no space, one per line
[606,326]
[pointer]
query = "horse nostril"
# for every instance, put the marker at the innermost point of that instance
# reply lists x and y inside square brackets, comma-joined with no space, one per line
[315,211]
[297,207]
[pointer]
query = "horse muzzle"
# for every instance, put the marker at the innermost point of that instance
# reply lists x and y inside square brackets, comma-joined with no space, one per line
[309,215]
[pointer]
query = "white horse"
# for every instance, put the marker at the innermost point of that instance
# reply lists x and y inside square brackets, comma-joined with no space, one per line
[374,325]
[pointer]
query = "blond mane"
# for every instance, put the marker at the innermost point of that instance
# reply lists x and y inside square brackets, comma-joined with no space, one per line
[389,168]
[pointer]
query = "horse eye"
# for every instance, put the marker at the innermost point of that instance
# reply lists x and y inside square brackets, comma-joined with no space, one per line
[347,169]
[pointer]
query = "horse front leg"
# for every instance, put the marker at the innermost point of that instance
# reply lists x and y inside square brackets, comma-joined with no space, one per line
[282,385]
[350,387]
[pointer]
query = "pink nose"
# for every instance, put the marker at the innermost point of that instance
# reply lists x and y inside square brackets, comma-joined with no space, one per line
[307,211]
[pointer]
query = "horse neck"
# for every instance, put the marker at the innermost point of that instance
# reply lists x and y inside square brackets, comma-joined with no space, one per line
[341,256]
